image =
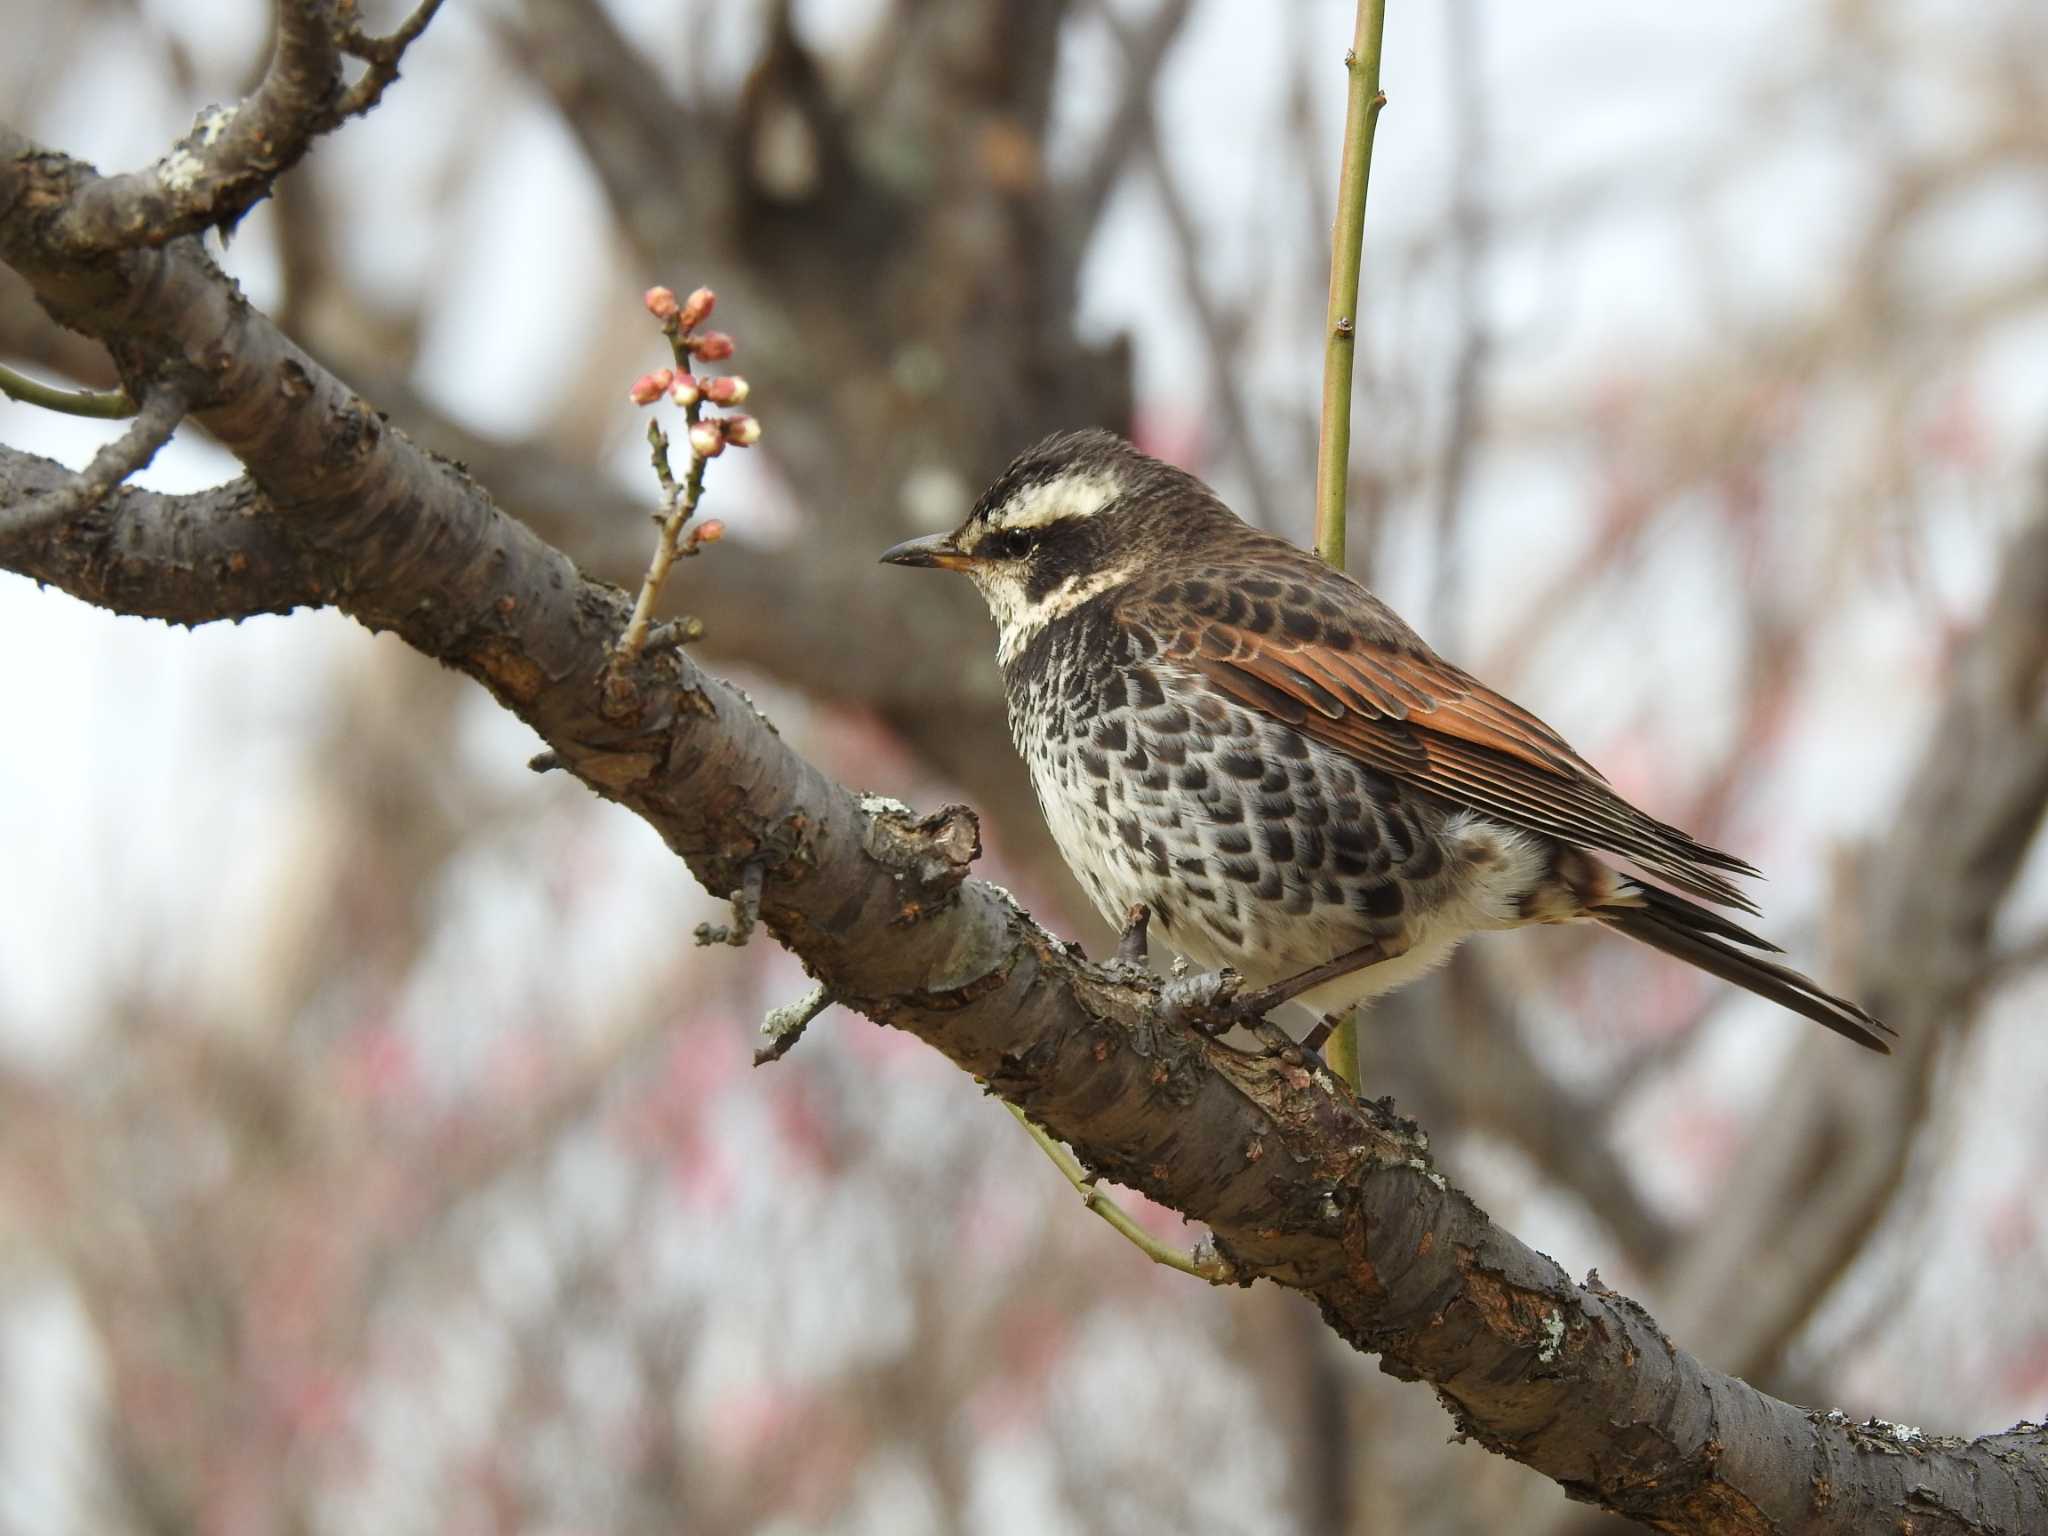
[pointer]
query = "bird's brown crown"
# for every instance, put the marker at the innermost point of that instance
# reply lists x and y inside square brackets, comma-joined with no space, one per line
[1085,476]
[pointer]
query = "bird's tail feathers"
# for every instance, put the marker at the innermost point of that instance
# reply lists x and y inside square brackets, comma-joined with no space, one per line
[1690,932]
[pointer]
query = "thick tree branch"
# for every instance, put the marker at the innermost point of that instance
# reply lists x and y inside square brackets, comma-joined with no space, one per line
[192,559]
[234,155]
[1299,1182]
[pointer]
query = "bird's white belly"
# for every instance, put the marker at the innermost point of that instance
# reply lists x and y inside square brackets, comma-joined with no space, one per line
[1485,903]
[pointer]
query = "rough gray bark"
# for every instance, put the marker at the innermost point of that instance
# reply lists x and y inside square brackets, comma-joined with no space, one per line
[1300,1183]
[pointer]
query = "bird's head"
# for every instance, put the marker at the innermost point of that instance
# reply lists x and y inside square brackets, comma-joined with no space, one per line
[1075,516]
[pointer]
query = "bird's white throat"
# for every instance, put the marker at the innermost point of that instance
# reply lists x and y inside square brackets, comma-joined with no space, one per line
[1018,617]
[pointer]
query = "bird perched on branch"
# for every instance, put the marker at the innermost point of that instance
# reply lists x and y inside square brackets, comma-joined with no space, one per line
[1224,731]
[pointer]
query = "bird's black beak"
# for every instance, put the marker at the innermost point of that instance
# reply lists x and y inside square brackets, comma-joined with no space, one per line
[934,549]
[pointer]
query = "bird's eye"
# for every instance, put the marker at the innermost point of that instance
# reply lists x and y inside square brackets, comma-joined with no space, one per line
[1010,544]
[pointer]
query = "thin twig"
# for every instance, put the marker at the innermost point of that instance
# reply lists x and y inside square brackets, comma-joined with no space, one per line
[162,409]
[678,501]
[101,404]
[1340,346]
[1217,1271]
[746,909]
[382,55]
[674,632]
[785,1026]
[679,322]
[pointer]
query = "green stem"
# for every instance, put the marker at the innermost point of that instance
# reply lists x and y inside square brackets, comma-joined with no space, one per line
[1347,239]
[1340,345]
[1216,1271]
[1340,1051]
[104,404]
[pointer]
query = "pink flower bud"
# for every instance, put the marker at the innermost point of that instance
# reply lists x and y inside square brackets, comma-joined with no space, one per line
[706,441]
[661,303]
[710,531]
[697,308]
[741,431]
[726,391]
[650,387]
[711,346]
[686,392]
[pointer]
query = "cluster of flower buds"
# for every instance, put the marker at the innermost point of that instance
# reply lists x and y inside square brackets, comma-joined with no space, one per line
[680,314]
[679,321]
[686,389]
[681,317]
[708,439]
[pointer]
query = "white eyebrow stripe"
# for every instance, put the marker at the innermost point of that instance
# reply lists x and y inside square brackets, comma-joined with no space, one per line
[1048,502]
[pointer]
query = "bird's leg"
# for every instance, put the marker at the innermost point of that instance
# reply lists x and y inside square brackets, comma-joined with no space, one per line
[1212,1004]
[1266,999]
[1130,944]
[1326,1026]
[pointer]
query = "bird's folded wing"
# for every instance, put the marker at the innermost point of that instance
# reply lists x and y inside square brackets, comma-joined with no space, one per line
[1409,713]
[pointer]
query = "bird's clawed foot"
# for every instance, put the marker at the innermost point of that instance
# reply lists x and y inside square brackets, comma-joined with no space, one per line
[1206,1002]
[1275,1041]
[1211,1004]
